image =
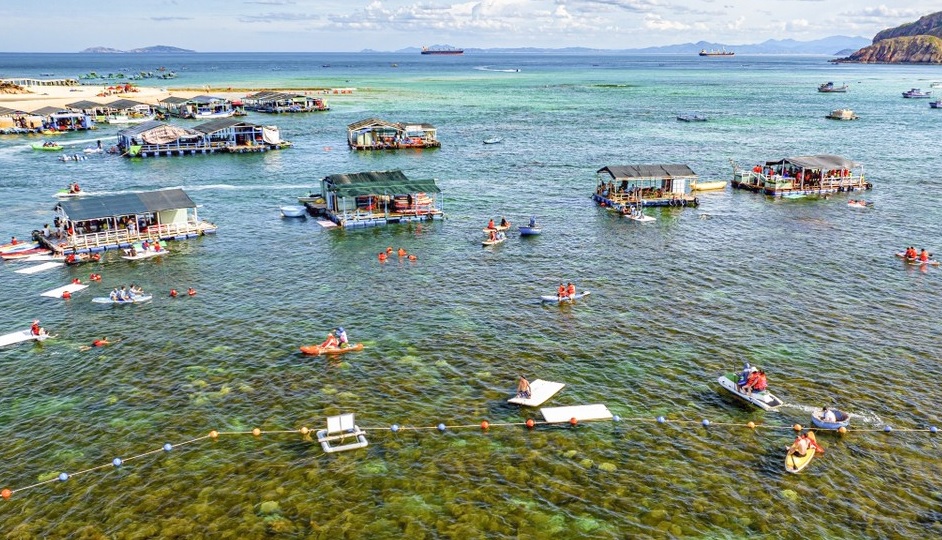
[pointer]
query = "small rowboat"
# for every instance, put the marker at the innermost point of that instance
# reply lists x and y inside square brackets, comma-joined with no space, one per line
[315,350]
[136,299]
[764,400]
[842,419]
[558,300]
[530,231]
[293,211]
[902,255]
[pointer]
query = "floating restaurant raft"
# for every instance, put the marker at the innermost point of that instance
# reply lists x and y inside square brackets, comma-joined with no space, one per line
[622,187]
[376,134]
[94,224]
[379,198]
[231,135]
[802,176]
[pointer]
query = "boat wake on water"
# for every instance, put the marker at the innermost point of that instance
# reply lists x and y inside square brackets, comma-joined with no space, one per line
[486,68]
[866,417]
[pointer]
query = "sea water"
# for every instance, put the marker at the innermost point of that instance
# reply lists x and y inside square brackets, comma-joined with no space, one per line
[808,290]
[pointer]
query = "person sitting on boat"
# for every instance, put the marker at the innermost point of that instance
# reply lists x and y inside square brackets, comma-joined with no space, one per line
[14,241]
[571,290]
[490,224]
[561,292]
[828,415]
[803,443]
[750,380]
[329,343]
[758,384]
[744,374]
[36,330]
[532,222]
[114,295]
[125,295]
[156,245]
[910,253]
[342,340]
[923,255]
[504,223]
[493,234]
[523,388]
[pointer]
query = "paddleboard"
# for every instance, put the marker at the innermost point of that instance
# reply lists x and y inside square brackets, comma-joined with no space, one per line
[314,350]
[39,268]
[493,242]
[910,260]
[795,463]
[554,298]
[57,292]
[133,300]
[540,391]
[19,337]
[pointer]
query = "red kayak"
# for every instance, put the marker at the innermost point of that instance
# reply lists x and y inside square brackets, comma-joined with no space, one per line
[22,253]
[314,350]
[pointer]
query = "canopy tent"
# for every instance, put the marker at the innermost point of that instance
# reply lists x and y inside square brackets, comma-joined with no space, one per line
[376,183]
[820,162]
[125,204]
[622,172]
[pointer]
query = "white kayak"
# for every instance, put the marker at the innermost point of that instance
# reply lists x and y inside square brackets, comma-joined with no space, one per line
[142,254]
[764,399]
[19,337]
[136,299]
[554,298]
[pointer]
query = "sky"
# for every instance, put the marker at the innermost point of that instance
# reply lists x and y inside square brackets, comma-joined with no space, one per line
[389,25]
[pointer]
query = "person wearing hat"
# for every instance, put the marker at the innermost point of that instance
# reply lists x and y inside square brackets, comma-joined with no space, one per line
[36,330]
[342,339]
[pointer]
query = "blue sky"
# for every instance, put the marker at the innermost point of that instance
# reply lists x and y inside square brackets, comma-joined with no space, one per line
[354,25]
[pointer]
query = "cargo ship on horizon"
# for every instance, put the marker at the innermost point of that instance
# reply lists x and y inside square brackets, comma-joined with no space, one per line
[441,50]
[714,52]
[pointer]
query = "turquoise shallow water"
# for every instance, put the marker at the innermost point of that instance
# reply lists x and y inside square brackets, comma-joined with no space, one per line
[808,290]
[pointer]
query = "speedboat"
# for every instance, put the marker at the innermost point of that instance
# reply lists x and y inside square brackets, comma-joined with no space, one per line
[293,211]
[829,87]
[916,93]
[764,399]
[841,419]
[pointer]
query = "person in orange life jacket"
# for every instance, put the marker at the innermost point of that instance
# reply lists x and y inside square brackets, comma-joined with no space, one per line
[35,329]
[561,292]
[924,255]
[330,342]
[101,342]
[490,224]
[571,290]
[757,383]
[803,443]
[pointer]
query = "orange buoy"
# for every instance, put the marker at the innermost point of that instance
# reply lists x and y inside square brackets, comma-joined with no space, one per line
[573,421]
[191,291]
[213,434]
[485,425]
[751,425]
[66,295]
[256,432]
[797,427]
[530,423]
[6,493]
[173,293]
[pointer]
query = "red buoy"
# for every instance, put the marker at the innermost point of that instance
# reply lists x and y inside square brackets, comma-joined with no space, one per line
[485,425]
[573,421]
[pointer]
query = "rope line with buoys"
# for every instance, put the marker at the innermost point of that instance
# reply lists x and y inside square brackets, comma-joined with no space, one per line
[6,493]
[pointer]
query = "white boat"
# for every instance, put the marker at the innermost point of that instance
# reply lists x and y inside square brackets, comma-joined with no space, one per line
[558,300]
[142,254]
[641,218]
[916,93]
[764,399]
[499,238]
[842,114]
[19,337]
[293,211]
[493,140]
[135,299]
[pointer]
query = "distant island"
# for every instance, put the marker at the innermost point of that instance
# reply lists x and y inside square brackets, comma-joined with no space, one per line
[917,42]
[142,50]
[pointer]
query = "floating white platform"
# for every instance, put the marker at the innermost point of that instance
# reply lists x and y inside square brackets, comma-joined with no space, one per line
[57,292]
[579,412]
[39,268]
[540,391]
[341,428]
[326,223]
[19,337]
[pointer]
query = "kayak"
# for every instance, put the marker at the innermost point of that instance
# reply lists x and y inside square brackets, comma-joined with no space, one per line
[53,148]
[315,350]
[764,399]
[910,260]
[842,419]
[134,299]
[557,299]
[795,463]
[21,336]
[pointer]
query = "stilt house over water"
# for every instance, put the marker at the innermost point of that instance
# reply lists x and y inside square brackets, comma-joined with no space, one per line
[380,197]
[231,135]
[625,186]
[376,134]
[98,223]
[802,176]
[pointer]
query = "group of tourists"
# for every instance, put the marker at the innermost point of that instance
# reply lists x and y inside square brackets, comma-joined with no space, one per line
[751,379]
[911,255]
[336,339]
[566,291]
[125,294]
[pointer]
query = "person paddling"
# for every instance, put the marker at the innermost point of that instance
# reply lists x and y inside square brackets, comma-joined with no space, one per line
[331,341]
[803,443]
